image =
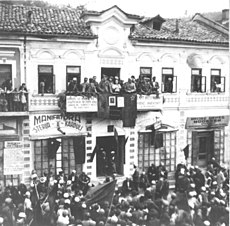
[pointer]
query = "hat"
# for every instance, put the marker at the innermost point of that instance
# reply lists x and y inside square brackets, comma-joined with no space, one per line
[73,171]
[83,205]
[77,199]
[153,182]
[192,185]
[8,200]
[22,214]
[66,195]
[68,182]
[61,181]
[74,79]
[27,193]
[203,188]
[34,176]
[42,180]
[67,201]
[206,223]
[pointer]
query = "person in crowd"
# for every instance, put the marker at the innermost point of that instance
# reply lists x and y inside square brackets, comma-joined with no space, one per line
[116,87]
[155,87]
[168,85]
[104,85]
[73,86]
[85,86]
[92,87]
[136,177]
[129,87]
[16,100]
[23,97]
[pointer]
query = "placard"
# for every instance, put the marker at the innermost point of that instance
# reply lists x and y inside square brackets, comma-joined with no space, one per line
[13,161]
[81,104]
[149,102]
[120,102]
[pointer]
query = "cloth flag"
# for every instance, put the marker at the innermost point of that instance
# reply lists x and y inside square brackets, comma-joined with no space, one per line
[129,111]
[103,106]
[186,152]
[101,193]
[79,149]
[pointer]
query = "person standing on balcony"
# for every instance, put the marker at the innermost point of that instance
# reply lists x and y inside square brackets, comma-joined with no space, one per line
[85,85]
[129,87]
[169,85]
[116,87]
[42,87]
[16,100]
[73,87]
[155,87]
[7,86]
[23,90]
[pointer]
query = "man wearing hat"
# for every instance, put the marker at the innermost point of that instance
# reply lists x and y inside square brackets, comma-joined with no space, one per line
[73,86]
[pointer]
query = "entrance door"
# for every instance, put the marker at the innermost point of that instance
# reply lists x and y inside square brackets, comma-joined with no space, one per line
[110,72]
[110,159]
[202,147]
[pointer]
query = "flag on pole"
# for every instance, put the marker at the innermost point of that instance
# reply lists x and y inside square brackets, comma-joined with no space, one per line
[101,193]
[96,148]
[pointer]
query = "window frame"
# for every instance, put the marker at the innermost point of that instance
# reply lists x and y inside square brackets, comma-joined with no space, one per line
[200,78]
[46,74]
[148,75]
[166,76]
[213,79]
[70,76]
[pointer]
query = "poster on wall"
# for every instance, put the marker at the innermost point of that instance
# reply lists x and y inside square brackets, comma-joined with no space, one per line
[13,160]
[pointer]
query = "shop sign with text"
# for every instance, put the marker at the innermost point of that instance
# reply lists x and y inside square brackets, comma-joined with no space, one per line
[55,124]
[207,122]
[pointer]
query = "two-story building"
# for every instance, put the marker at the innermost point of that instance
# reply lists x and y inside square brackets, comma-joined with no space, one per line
[46,48]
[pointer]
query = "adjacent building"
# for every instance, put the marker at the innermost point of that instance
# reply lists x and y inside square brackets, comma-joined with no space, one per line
[46,48]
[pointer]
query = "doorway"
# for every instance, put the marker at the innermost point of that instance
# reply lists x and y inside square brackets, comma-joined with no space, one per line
[110,72]
[110,155]
[202,147]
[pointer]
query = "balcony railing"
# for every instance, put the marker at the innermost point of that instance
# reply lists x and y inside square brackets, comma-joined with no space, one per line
[13,102]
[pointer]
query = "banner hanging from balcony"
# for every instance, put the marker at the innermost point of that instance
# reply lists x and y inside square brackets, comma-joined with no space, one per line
[45,126]
[81,104]
[149,102]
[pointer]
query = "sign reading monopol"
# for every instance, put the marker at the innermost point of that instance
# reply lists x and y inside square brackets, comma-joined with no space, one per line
[55,125]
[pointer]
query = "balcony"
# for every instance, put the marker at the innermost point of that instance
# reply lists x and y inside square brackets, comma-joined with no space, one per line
[13,104]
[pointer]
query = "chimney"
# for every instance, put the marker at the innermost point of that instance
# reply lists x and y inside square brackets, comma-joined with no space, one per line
[225,14]
[177,26]
[29,17]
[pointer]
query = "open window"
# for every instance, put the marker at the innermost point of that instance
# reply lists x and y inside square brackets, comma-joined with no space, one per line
[217,81]
[46,79]
[169,81]
[198,82]
[5,74]
[146,72]
[73,72]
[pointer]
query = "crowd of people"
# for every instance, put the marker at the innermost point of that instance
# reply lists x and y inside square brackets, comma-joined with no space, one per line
[143,85]
[13,99]
[144,198]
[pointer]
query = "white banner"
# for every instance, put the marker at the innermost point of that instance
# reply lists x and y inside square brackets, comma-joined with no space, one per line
[81,104]
[149,102]
[13,158]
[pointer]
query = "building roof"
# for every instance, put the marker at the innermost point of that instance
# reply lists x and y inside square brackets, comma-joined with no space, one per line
[187,30]
[44,21]
[68,22]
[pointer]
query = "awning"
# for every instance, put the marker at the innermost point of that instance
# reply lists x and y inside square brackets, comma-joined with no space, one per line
[163,128]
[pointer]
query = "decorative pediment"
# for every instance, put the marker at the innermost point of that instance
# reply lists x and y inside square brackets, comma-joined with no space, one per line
[195,61]
[111,52]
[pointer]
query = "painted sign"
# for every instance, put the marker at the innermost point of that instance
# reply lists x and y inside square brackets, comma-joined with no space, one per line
[13,158]
[81,104]
[51,125]
[207,122]
[149,102]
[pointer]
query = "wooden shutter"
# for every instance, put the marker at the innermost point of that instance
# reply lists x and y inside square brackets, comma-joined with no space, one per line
[203,84]
[195,147]
[222,81]
[174,84]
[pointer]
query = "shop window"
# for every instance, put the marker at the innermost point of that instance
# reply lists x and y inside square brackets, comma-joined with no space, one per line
[146,72]
[169,81]
[198,82]
[73,72]
[64,157]
[217,81]
[5,74]
[46,79]
[163,150]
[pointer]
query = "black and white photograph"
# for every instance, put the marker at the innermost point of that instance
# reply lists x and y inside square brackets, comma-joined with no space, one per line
[114,113]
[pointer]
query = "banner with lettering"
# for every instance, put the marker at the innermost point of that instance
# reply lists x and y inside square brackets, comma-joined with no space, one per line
[55,125]
[13,160]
